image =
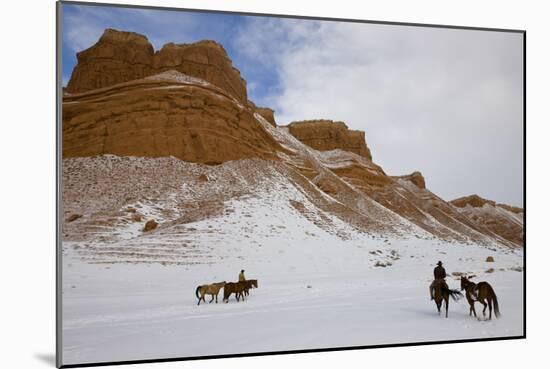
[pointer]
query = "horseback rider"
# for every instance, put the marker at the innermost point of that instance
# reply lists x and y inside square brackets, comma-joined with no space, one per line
[439,277]
[241,276]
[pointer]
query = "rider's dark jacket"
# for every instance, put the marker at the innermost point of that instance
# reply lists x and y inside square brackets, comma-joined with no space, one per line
[439,272]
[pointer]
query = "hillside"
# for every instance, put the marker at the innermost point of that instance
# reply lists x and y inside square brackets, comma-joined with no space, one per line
[196,120]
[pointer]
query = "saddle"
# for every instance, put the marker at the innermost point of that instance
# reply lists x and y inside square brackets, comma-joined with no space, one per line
[438,282]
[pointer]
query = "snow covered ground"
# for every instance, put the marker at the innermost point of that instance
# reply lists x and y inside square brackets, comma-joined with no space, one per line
[319,287]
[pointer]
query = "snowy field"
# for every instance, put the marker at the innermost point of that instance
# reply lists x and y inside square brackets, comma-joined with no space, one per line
[316,289]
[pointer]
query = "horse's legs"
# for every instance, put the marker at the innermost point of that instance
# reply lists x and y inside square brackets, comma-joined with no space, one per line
[217,297]
[212,299]
[447,307]
[438,304]
[490,308]
[484,307]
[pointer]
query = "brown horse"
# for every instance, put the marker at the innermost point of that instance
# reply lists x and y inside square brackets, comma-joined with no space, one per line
[442,293]
[237,288]
[481,292]
[210,289]
[250,283]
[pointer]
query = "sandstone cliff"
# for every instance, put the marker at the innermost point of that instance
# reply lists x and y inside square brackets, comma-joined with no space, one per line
[324,135]
[169,114]
[124,56]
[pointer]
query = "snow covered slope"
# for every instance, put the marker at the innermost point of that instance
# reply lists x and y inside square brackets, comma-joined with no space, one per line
[343,253]
[323,281]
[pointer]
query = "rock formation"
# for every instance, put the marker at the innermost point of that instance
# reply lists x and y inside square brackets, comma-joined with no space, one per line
[416,178]
[324,135]
[186,101]
[125,56]
[503,220]
[268,114]
[472,200]
[163,115]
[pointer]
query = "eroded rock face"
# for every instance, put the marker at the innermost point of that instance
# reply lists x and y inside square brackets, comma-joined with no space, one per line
[125,56]
[404,195]
[325,135]
[472,200]
[416,178]
[165,115]
[268,114]
[500,219]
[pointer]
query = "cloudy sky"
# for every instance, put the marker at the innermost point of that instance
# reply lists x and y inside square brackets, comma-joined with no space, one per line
[445,102]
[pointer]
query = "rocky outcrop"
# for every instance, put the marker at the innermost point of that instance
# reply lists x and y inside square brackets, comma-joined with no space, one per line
[415,178]
[500,219]
[268,114]
[472,200]
[170,114]
[324,135]
[150,225]
[125,56]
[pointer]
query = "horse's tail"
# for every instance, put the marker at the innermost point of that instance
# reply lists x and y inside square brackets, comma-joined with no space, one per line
[197,291]
[493,297]
[455,294]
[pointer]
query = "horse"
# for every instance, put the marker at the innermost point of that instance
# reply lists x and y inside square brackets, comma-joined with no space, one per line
[210,289]
[481,292]
[250,283]
[442,293]
[237,288]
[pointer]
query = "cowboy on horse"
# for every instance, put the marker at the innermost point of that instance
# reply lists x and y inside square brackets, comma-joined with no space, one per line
[439,278]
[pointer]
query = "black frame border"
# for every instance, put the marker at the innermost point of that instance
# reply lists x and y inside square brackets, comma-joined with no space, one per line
[59,212]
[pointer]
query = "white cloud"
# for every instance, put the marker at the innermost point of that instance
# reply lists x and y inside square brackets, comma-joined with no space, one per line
[445,102]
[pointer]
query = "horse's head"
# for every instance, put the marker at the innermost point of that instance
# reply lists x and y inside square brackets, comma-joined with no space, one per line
[463,283]
[254,283]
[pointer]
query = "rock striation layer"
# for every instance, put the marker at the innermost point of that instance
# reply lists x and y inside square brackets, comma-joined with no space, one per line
[325,135]
[170,114]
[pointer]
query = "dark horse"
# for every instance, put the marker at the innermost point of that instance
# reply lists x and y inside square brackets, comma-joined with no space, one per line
[237,288]
[481,292]
[442,293]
